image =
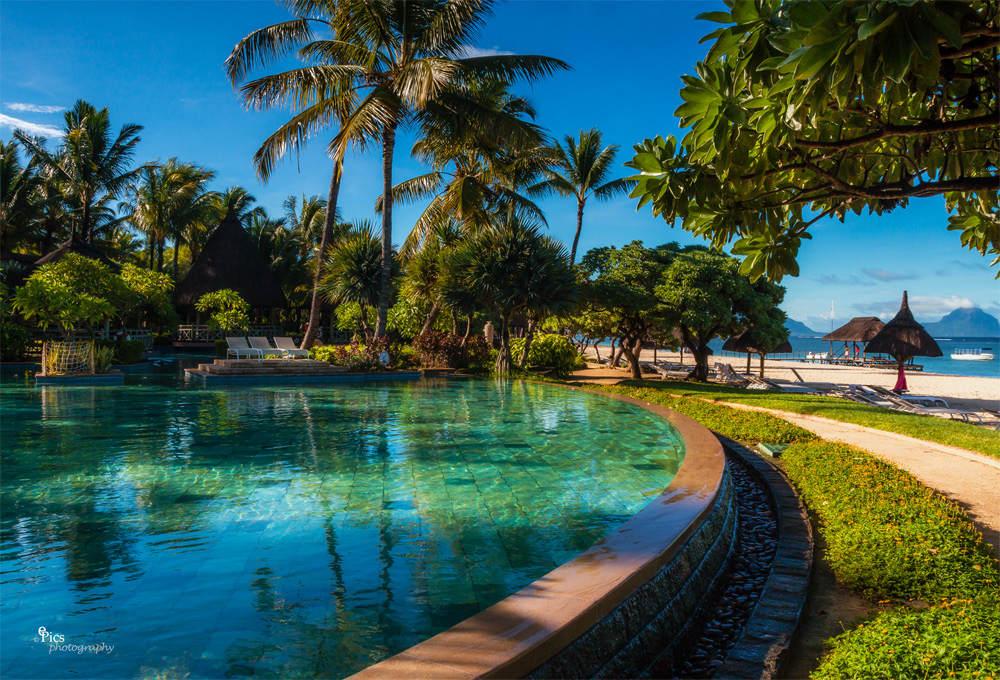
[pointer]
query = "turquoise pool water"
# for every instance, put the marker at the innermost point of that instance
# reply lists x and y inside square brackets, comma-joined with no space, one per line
[293,531]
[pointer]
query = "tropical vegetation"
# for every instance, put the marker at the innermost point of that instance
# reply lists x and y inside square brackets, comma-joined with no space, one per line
[803,110]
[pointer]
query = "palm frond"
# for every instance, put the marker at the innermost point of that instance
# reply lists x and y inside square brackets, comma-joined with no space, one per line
[264,46]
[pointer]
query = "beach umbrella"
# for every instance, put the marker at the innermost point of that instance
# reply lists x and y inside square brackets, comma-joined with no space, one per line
[903,338]
[858,329]
[744,342]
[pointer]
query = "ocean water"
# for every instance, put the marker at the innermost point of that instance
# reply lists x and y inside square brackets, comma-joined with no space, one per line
[942,364]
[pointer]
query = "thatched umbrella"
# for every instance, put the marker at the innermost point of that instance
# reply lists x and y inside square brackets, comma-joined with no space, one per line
[231,260]
[858,329]
[903,338]
[744,342]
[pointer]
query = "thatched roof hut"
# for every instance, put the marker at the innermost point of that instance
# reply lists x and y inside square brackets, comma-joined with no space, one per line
[903,337]
[231,260]
[858,329]
[80,247]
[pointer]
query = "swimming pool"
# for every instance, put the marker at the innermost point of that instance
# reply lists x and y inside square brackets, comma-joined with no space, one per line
[295,532]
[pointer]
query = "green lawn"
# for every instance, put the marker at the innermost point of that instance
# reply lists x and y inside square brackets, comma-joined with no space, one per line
[950,432]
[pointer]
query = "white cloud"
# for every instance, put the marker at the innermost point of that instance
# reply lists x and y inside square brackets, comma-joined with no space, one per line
[922,306]
[34,108]
[31,128]
[468,51]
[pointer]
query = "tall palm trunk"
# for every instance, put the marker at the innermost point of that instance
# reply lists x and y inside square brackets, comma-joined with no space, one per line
[579,226]
[388,143]
[85,227]
[504,362]
[159,255]
[468,329]
[529,336]
[177,247]
[431,317]
[324,242]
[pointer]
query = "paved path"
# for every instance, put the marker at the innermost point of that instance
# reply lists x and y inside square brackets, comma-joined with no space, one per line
[970,479]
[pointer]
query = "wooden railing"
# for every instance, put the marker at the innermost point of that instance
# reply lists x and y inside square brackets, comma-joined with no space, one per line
[40,335]
[202,333]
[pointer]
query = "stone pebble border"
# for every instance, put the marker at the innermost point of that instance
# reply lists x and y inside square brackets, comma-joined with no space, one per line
[762,650]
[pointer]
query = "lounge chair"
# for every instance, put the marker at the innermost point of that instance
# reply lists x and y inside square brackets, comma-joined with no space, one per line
[913,399]
[951,413]
[261,343]
[287,345]
[727,374]
[240,348]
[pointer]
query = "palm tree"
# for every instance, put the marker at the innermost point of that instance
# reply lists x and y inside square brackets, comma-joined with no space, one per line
[508,267]
[166,201]
[423,269]
[582,170]
[354,270]
[405,57]
[19,201]
[473,171]
[90,163]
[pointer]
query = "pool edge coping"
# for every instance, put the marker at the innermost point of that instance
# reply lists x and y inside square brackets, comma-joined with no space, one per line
[521,632]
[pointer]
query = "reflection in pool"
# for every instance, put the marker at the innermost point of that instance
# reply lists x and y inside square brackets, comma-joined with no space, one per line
[295,531]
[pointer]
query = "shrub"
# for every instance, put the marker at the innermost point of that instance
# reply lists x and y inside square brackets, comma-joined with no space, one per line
[548,350]
[125,351]
[14,341]
[363,358]
[221,348]
[103,354]
[889,535]
[229,311]
[953,639]
[444,350]
[160,339]
[438,350]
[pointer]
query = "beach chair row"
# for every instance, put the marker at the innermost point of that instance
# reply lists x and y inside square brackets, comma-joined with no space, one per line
[258,347]
[872,395]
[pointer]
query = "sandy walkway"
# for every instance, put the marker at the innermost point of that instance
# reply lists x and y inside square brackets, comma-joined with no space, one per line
[970,479]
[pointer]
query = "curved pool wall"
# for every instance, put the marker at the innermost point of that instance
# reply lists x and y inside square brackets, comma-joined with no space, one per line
[617,609]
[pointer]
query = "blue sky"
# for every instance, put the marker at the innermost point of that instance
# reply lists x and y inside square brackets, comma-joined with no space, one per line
[160,64]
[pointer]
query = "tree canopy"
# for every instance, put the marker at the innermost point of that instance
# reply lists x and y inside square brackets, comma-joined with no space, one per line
[704,295]
[803,110]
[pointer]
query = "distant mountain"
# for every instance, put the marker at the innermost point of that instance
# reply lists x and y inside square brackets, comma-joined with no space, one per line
[966,322]
[797,329]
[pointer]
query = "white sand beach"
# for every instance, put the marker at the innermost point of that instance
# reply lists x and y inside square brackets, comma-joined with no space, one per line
[958,390]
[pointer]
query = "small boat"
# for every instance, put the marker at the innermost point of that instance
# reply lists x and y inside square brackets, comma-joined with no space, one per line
[973,354]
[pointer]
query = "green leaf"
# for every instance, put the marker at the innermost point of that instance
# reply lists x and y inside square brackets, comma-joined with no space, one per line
[718,17]
[948,27]
[806,12]
[812,61]
[874,25]
[647,162]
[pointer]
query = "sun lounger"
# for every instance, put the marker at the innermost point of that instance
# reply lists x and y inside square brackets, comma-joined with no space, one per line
[261,343]
[726,373]
[902,404]
[240,348]
[287,346]
[923,401]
